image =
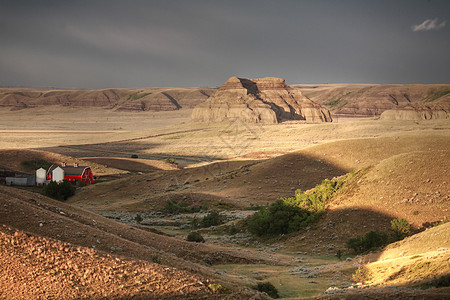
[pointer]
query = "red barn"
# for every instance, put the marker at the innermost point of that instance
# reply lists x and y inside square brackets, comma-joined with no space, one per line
[73,173]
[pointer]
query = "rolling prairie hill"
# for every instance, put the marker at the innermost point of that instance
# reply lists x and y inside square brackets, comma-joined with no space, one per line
[36,228]
[245,182]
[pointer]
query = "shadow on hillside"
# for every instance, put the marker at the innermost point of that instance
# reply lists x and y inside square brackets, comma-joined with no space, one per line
[124,150]
[331,232]
[127,164]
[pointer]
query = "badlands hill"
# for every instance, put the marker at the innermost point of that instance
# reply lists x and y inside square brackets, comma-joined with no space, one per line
[151,99]
[265,100]
[405,101]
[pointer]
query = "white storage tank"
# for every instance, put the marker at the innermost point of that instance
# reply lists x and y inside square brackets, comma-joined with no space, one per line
[58,174]
[41,176]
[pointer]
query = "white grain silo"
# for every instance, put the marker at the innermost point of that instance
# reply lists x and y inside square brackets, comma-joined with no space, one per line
[58,174]
[41,176]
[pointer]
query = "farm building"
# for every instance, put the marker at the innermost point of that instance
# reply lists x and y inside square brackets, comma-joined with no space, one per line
[73,173]
[21,179]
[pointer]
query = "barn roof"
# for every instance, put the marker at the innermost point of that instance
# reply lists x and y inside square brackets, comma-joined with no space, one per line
[69,170]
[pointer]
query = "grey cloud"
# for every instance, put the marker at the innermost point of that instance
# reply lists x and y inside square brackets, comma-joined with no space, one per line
[429,24]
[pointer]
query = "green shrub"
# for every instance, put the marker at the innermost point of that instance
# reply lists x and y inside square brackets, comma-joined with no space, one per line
[195,222]
[134,156]
[339,254]
[212,219]
[138,218]
[232,230]
[290,214]
[278,218]
[400,227]
[194,236]
[171,161]
[268,288]
[371,240]
[59,191]
[361,275]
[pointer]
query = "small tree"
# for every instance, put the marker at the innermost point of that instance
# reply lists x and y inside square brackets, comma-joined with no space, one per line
[194,236]
[401,229]
[138,218]
[268,288]
[59,191]
[211,219]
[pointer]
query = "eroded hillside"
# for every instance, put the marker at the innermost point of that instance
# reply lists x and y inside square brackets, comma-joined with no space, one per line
[150,99]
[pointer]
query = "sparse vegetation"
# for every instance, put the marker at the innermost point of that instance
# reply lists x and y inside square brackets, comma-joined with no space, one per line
[222,205]
[173,207]
[170,161]
[137,95]
[218,288]
[401,229]
[268,288]
[372,240]
[196,237]
[361,275]
[59,191]
[436,93]
[336,102]
[443,221]
[156,260]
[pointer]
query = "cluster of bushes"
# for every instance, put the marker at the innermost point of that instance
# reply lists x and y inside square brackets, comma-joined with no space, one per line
[171,161]
[59,191]
[279,218]
[173,207]
[293,213]
[374,239]
[371,240]
[211,219]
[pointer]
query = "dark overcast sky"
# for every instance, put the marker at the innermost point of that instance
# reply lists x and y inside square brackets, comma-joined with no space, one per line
[183,43]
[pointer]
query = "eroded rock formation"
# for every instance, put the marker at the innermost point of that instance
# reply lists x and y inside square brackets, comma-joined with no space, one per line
[150,99]
[264,100]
